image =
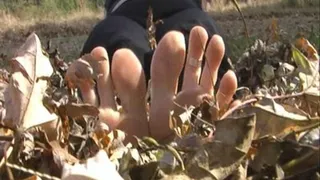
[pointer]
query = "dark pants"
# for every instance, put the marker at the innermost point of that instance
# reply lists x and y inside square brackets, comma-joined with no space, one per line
[124,29]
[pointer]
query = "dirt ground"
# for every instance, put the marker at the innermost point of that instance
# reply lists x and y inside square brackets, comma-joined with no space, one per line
[69,37]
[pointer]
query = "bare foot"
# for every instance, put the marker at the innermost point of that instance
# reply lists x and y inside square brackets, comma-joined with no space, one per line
[165,70]
[126,78]
[128,81]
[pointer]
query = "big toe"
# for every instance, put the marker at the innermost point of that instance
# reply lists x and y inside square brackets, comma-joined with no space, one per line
[166,67]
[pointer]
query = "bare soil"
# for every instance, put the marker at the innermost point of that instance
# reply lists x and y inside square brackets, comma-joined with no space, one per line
[70,35]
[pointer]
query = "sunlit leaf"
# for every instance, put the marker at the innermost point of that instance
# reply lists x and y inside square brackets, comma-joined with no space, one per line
[301,60]
[309,81]
[79,72]
[273,119]
[311,137]
[98,167]
[23,99]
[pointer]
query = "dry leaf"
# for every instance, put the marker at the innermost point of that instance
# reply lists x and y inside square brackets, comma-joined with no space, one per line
[198,167]
[23,98]
[180,176]
[77,110]
[80,71]
[267,153]
[304,45]
[98,168]
[34,177]
[62,153]
[267,73]
[309,81]
[274,30]
[101,135]
[273,119]
[241,172]
[129,160]
[3,86]
[312,137]
[231,143]
[306,159]
[144,172]
[312,98]
[168,163]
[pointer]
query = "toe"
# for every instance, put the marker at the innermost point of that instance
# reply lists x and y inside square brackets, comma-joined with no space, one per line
[100,62]
[166,67]
[197,42]
[214,55]
[227,88]
[129,82]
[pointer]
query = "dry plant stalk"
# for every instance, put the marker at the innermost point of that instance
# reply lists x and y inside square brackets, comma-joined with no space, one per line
[151,29]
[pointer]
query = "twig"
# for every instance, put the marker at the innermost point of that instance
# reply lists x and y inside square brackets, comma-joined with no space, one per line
[153,148]
[6,155]
[242,17]
[307,128]
[197,118]
[244,88]
[284,96]
[9,172]
[30,171]
[231,110]
[308,105]
[311,147]
[151,29]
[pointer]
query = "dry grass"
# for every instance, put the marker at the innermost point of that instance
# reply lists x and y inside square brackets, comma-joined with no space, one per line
[221,6]
[67,32]
[81,20]
[264,7]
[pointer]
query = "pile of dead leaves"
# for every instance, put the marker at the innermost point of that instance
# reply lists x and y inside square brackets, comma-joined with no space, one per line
[48,133]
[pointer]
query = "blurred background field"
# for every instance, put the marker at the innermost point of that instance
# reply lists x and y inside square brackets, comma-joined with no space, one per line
[68,22]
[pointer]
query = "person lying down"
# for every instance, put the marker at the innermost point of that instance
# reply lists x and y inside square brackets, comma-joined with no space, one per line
[189,59]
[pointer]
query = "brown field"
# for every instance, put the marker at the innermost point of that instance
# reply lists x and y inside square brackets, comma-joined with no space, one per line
[68,32]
